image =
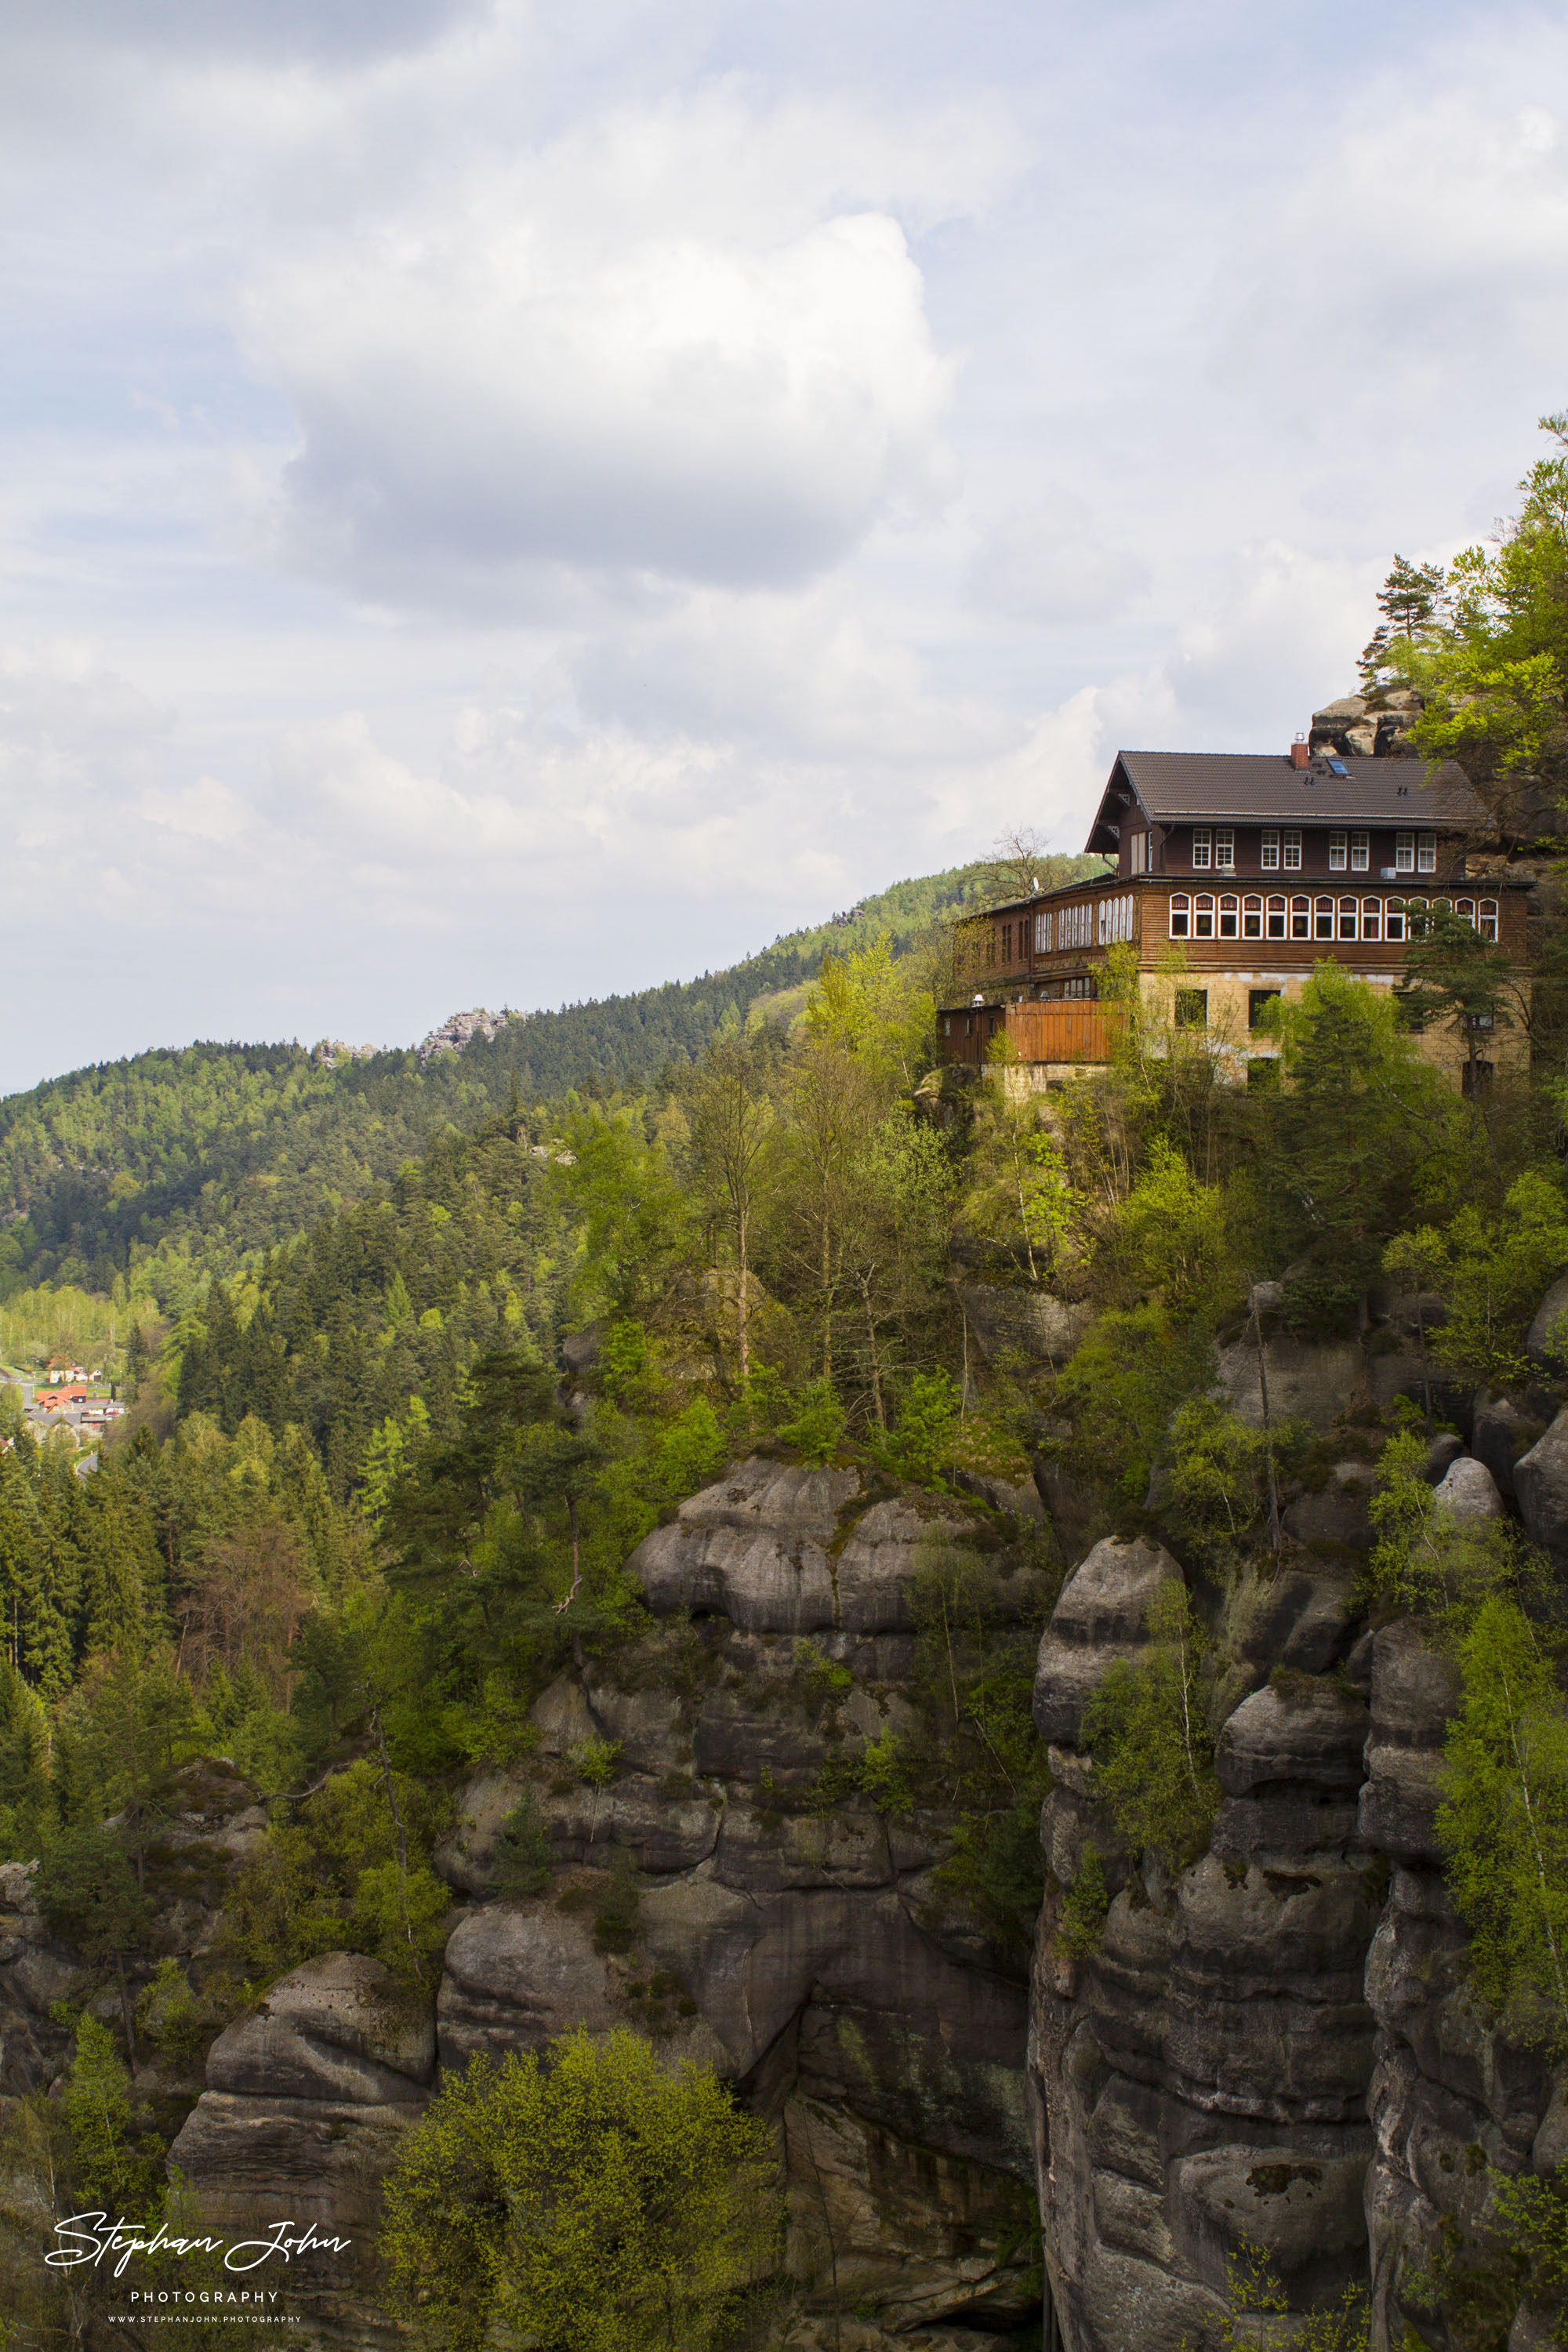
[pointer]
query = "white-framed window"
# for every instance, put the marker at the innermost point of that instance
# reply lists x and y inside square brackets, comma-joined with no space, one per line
[1323,919]
[1405,852]
[1360,852]
[1372,919]
[1203,916]
[1348,909]
[1252,918]
[1487,925]
[1292,846]
[1276,919]
[1466,909]
[1181,915]
[1300,918]
[1203,847]
[1269,855]
[1042,934]
[1393,920]
[947,1025]
[1228,913]
[1225,849]
[1427,852]
[1338,852]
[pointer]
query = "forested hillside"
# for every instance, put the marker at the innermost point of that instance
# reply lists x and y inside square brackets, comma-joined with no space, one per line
[174,1164]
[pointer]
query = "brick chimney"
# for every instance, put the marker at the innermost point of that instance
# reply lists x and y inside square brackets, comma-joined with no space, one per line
[1300,754]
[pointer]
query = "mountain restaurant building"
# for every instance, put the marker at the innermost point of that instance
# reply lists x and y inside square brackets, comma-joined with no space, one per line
[1234,873]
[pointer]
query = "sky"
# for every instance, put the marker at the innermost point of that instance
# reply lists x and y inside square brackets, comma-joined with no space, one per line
[505,504]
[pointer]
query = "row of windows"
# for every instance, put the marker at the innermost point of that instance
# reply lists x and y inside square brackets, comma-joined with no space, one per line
[1213,846]
[1073,927]
[1229,916]
[1115,919]
[1094,923]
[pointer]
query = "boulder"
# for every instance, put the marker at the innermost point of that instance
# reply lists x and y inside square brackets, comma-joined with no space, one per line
[1413,1693]
[334,2029]
[1501,1431]
[1309,1379]
[1102,1615]
[1546,1342]
[562,1717]
[1338,1513]
[462,1857]
[1305,1730]
[875,1577]
[753,1549]
[1467,1492]
[1541,1487]
[1021,1329]
[307,2096]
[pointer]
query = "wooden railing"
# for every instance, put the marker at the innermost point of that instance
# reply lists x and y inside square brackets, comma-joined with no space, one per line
[1062,1032]
[1059,1032]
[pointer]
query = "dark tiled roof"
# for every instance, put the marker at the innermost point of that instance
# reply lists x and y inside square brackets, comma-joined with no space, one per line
[1178,786]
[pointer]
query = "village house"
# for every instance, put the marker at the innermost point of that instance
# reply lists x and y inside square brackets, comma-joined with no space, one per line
[1233,874]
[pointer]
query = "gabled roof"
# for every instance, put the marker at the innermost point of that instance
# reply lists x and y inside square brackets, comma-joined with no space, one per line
[1241,787]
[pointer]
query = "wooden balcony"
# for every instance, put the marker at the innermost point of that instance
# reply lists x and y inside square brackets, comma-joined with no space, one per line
[1078,1031]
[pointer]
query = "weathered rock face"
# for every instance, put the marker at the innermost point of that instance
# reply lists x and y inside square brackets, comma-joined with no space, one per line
[1280,2046]
[1443,2085]
[305,2096]
[1540,1489]
[805,1953]
[1202,2078]
[803,1950]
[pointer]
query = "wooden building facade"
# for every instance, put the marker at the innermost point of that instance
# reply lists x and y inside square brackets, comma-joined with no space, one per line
[1234,876]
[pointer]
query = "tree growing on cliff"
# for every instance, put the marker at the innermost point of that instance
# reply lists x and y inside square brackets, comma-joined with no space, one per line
[592,2203]
[1504,1824]
[1147,1729]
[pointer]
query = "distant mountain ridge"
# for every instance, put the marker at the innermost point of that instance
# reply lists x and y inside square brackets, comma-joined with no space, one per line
[185,1160]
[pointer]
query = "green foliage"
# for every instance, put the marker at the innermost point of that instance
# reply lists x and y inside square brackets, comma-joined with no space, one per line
[592,2203]
[1489,1272]
[975,1657]
[619,1904]
[96,2096]
[1259,2317]
[1362,1132]
[1170,1235]
[1218,1475]
[817,1429]
[1507,2254]
[1486,644]
[87,1890]
[522,1861]
[1083,1922]
[1504,1822]
[888,1775]
[921,1447]
[1020,1195]
[1424,1558]
[330,1877]
[1128,1376]
[1148,1729]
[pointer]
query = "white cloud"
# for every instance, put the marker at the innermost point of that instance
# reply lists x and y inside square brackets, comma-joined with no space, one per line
[1051,560]
[655,349]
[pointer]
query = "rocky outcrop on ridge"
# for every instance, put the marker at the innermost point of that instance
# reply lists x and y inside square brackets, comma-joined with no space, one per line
[459,1030]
